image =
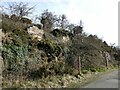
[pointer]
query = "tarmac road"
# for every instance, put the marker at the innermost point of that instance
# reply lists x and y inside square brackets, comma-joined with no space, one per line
[109,80]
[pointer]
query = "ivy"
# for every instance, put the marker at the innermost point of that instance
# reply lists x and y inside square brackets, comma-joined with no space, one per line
[14,56]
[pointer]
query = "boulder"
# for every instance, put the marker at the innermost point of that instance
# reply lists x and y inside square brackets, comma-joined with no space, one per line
[35,32]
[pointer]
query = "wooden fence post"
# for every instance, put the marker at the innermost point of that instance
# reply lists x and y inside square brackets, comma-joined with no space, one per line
[107,57]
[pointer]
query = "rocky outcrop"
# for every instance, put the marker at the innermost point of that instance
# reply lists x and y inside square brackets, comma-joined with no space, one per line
[35,32]
[65,39]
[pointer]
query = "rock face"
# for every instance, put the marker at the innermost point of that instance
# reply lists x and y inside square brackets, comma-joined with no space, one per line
[35,32]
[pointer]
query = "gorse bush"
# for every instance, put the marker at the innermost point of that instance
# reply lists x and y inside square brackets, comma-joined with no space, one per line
[61,32]
[52,49]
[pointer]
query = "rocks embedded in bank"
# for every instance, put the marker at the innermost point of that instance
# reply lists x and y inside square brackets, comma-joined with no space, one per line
[35,32]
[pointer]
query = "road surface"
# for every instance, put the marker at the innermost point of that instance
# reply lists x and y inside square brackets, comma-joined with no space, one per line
[109,80]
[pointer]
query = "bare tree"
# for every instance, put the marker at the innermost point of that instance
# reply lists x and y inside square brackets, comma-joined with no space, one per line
[47,19]
[20,9]
[71,27]
[62,21]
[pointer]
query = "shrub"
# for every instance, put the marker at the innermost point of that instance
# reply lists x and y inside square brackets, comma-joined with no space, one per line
[100,69]
[61,32]
[52,49]
[14,56]
[93,70]
[9,25]
[26,20]
[85,71]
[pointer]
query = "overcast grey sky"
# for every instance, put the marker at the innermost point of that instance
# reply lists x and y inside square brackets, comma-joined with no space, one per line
[100,17]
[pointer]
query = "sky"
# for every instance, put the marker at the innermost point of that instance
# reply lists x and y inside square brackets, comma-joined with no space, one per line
[100,17]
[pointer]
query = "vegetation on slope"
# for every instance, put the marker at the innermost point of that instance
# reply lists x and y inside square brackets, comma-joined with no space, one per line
[55,55]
